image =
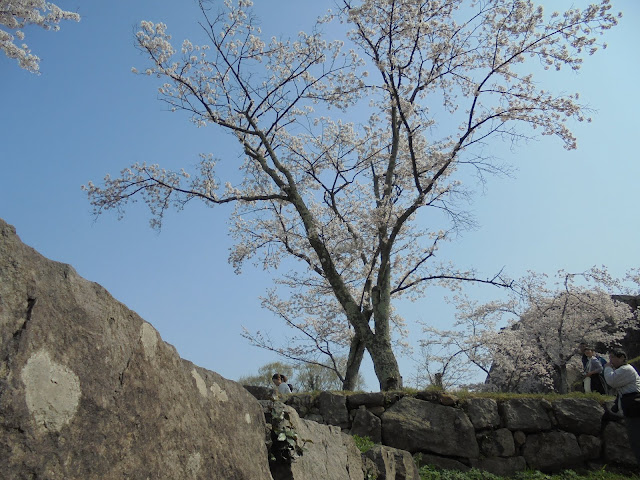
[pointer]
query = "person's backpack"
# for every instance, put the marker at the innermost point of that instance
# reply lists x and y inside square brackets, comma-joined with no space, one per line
[290,386]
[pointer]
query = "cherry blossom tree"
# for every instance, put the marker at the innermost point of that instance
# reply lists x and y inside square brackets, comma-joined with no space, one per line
[543,324]
[354,149]
[15,15]
[458,356]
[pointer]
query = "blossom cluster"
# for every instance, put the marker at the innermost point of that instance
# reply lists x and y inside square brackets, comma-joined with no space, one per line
[15,15]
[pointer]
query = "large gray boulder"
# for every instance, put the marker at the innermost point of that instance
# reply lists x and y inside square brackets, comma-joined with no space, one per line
[616,444]
[552,451]
[526,414]
[391,464]
[497,443]
[366,424]
[579,415]
[89,390]
[328,454]
[333,408]
[421,426]
[371,399]
[483,412]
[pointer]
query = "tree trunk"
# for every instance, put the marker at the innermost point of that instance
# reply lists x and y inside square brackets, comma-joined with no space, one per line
[379,346]
[384,363]
[563,383]
[356,352]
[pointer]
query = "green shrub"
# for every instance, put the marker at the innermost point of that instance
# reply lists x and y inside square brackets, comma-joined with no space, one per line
[364,444]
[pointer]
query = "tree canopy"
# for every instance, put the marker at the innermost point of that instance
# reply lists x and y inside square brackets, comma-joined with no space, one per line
[354,149]
[542,325]
[15,15]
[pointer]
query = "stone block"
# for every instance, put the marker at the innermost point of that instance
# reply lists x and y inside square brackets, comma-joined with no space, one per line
[591,447]
[366,424]
[497,443]
[483,412]
[616,444]
[372,399]
[419,426]
[552,451]
[579,415]
[333,408]
[526,414]
[392,464]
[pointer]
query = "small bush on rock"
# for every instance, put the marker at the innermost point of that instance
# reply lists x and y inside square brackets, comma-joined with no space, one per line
[364,444]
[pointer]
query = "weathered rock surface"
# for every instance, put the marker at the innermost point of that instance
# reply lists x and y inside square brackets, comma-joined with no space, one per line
[591,446]
[616,444]
[333,455]
[372,399]
[88,390]
[303,404]
[552,451]
[526,414]
[420,426]
[261,393]
[333,408]
[579,415]
[483,412]
[391,464]
[497,443]
[366,424]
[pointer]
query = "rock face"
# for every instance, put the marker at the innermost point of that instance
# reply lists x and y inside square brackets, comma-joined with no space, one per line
[579,415]
[525,414]
[391,464]
[552,451]
[366,424]
[333,408]
[330,455]
[616,443]
[483,413]
[420,426]
[88,390]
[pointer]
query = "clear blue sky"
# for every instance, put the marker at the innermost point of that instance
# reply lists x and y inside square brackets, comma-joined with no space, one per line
[87,115]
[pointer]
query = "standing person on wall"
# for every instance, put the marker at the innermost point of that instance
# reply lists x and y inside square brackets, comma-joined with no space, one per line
[281,386]
[625,381]
[593,373]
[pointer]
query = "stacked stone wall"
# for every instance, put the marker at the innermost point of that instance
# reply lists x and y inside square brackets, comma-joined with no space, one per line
[499,436]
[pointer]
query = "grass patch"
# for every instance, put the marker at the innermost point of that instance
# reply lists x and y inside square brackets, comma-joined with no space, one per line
[464,395]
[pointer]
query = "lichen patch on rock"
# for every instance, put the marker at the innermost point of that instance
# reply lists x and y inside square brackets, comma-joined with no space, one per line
[52,391]
[149,339]
[200,383]
[218,392]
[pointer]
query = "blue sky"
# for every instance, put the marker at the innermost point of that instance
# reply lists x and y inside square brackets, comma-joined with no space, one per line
[87,115]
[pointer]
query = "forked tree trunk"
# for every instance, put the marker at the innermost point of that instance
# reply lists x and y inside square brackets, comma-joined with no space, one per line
[356,352]
[385,364]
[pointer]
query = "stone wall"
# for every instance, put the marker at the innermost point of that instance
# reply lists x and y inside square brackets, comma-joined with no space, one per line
[498,436]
